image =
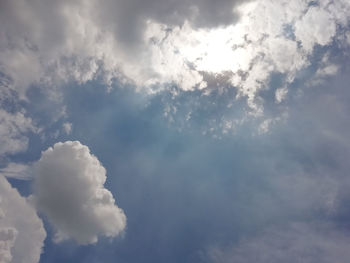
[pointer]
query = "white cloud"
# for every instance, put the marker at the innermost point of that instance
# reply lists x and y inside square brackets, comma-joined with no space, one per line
[13,127]
[281,94]
[328,70]
[317,26]
[67,127]
[21,230]
[7,241]
[156,43]
[69,190]
[265,41]
[73,45]
[17,170]
[59,41]
[312,242]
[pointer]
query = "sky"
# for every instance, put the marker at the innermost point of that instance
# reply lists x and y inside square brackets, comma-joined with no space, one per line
[139,131]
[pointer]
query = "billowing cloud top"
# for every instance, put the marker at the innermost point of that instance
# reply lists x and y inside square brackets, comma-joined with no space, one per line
[69,190]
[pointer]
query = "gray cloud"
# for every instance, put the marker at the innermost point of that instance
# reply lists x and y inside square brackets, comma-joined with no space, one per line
[69,190]
[128,16]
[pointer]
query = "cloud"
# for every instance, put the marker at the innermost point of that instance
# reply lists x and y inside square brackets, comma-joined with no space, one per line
[77,44]
[130,15]
[294,242]
[317,26]
[60,41]
[17,170]
[7,241]
[13,129]
[267,44]
[69,190]
[269,38]
[195,45]
[281,94]
[67,127]
[21,230]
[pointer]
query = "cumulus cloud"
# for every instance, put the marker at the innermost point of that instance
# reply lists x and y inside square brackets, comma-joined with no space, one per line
[67,127]
[295,242]
[21,230]
[69,190]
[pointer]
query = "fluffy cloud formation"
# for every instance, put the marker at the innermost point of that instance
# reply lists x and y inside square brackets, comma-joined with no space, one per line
[21,230]
[296,242]
[69,190]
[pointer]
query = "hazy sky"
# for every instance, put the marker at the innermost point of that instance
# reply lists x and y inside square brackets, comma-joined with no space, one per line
[187,131]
